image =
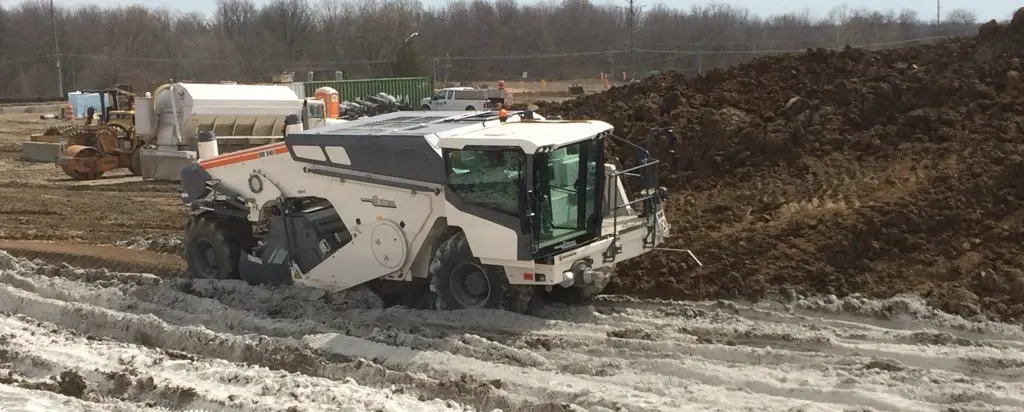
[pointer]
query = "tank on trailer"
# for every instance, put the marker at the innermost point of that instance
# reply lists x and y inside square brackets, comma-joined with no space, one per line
[240,115]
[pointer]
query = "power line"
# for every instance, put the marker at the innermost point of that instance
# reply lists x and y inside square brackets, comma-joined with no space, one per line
[533,56]
[497,57]
[861,46]
[6,61]
[204,61]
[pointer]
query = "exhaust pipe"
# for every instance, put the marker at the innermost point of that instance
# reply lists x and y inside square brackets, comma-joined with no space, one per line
[292,124]
[207,145]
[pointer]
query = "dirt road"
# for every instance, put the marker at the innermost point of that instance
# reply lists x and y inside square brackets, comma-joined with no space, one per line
[41,203]
[122,341]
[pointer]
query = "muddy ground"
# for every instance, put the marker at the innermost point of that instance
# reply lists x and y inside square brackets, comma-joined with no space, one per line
[45,213]
[840,172]
[94,340]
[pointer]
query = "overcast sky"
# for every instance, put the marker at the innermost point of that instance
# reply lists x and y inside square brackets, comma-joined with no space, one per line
[985,9]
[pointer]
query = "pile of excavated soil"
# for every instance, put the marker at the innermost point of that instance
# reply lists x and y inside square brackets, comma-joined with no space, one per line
[840,172]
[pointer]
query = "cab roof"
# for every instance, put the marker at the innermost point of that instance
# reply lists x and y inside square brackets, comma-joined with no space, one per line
[458,129]
[530,135]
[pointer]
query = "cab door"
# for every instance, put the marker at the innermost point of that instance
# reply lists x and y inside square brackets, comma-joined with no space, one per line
[446,103]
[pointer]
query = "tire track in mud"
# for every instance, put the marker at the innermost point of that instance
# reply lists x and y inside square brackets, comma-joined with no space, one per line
[96,256]
[618,353]
[111,369]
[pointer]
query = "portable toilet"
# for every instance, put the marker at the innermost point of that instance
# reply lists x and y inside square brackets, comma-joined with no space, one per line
[85,101]
[330,98]
[74,103]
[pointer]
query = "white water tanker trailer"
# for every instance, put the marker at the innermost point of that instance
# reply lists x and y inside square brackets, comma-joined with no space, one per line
[241,116]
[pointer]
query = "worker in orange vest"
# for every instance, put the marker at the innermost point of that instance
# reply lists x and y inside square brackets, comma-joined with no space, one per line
[503,113]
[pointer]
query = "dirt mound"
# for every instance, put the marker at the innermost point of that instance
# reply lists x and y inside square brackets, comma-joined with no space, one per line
[840,172]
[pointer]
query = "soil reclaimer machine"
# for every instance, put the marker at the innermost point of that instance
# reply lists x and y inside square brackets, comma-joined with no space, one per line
[435,209]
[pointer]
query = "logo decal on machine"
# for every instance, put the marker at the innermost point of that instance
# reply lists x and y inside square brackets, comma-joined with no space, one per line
[380,202]
[244,155]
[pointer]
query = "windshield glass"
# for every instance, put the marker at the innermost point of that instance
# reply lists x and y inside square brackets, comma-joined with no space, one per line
[488,178]
[315,111]
[567,185]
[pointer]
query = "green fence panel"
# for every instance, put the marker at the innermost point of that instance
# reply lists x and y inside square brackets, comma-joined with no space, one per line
[412,88]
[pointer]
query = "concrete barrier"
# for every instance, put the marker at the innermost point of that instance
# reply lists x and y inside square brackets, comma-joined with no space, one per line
[40,152]
[37,108]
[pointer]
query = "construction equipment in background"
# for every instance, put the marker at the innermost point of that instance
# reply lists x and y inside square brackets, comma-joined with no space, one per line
[103,142]
[576,90]
[127,129]
[108,144]
[453,208]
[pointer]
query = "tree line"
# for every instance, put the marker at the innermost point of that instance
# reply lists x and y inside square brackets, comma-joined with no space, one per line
[461,41]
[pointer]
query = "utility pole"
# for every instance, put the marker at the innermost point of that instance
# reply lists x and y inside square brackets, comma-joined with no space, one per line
[631,23]
[56,49]
[938,13]
[434,82]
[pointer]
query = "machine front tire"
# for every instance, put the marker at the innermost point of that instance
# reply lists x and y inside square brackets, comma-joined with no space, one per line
[213,244]
[462,282]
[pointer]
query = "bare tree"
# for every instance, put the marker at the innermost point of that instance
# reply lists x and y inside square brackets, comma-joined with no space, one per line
[464,40]
[961,17]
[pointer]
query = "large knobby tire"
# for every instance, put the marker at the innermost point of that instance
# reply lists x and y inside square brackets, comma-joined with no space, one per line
[213,245]
[462,282]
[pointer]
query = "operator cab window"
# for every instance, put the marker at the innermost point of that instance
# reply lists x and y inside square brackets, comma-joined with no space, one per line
[568,189]
[488,178]
[315,111]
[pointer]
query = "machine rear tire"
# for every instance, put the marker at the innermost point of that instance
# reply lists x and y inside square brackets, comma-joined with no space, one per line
[213,244]
[462,282]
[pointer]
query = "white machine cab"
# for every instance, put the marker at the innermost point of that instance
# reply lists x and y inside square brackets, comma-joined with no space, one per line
[463,207]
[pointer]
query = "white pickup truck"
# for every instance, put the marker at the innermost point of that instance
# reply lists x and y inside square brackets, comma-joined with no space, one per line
[465,98]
